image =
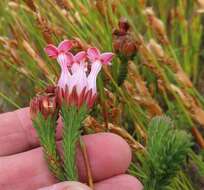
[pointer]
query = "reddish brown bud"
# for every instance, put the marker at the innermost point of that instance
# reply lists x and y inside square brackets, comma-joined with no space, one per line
[123,24]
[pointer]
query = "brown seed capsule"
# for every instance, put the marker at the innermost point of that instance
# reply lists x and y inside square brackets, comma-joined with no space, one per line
[123,40]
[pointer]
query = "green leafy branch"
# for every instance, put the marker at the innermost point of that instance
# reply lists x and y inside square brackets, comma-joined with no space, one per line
[166,151]
[46,131]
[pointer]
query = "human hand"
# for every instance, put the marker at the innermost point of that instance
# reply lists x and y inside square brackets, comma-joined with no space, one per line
[22,166]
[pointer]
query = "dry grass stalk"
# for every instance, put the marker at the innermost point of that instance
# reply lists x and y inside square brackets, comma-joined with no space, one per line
[191,104]
[45,28]
[83,8]
[63,4]
[77,17]
[141,93]
[91,123]
[156,25]
[114,109]
[36,57]
[31,5]
[80,44]
[145,101]
[101,6]
[200,8]
[158,51]
[11,48]
[16,7]
[198,136]
[148,61]
[139,130]
[124,134]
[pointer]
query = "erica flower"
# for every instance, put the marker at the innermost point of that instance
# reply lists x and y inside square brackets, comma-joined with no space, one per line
[73,89]
[97,60]
[64,58]
[77,84]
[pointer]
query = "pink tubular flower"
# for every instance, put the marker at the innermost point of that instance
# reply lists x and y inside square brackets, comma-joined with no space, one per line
[64,58]
[76,85]
[78,69]
[75,91]
[97,59]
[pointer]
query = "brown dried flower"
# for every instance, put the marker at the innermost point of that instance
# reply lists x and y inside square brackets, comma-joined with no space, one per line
[45,104]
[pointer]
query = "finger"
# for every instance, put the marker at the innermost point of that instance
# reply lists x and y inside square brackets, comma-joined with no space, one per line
[108,153]
[68,185]
[121,182]
[16,132]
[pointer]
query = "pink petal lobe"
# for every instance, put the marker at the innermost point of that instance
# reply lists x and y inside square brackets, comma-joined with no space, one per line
[106,58]
[70,58]
[51,51]
[65,46]
[80,56]
[93,54]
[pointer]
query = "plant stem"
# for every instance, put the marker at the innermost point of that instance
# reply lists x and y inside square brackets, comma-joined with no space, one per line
[72,119]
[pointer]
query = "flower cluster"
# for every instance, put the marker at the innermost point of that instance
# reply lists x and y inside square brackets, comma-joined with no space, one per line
[77,82]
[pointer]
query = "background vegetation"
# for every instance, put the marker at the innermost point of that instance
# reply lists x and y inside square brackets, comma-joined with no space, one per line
[158,70]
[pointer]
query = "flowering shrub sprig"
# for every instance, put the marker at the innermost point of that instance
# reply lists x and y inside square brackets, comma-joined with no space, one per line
[74,94]
[44,114]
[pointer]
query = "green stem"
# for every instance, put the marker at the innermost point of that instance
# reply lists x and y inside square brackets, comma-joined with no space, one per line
[123,70]
[72,119]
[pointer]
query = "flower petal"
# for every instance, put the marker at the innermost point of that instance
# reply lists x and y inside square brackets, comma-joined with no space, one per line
[92,77]
[80,56]
[93,54]
[70,58]
[63,80]
[79,78]
[106,58]
[65,46]
[51,51]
